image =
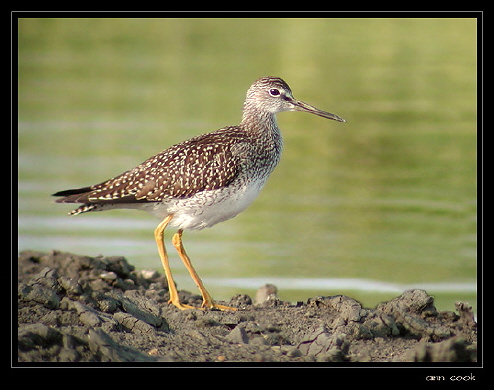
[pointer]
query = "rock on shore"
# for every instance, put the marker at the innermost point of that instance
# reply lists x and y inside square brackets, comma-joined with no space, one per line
[74,308]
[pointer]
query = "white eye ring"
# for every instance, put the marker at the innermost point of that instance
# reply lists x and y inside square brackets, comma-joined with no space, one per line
[274,92]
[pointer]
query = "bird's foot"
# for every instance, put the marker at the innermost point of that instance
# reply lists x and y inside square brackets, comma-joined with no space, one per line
[181,306]
[206,305]
[215,306]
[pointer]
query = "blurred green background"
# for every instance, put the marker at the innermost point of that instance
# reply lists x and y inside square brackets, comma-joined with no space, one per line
[384,202]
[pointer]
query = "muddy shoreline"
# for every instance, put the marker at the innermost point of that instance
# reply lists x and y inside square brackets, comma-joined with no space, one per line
[79,309]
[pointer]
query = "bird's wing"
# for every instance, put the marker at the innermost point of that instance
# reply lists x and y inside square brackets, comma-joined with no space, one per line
[205,162]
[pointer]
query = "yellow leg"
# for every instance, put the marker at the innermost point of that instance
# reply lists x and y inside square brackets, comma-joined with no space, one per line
[158,236]
[207,301]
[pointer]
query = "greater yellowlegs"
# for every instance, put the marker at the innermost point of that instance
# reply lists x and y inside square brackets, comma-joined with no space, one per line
[205,180]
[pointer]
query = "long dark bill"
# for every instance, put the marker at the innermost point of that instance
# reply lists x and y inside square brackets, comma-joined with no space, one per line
[301,106]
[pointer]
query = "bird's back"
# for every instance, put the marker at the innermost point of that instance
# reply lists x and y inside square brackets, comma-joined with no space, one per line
[206,162]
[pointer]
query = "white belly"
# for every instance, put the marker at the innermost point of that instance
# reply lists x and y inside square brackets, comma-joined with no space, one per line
[207,208]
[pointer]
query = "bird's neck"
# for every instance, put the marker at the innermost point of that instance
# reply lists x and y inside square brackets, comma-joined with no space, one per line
[262,127]
[258,121]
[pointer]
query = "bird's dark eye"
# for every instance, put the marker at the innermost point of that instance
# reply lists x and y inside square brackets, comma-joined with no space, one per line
[274,92]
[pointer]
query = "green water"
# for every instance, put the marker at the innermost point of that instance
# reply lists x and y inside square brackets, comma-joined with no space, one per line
[387,199]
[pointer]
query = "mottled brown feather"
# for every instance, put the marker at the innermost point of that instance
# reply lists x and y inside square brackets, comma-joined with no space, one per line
[205,162]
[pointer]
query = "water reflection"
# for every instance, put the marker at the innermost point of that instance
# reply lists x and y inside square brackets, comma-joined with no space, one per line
[318,284]
[389,196]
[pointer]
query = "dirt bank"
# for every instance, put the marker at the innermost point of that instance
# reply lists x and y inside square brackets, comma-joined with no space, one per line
[75,308]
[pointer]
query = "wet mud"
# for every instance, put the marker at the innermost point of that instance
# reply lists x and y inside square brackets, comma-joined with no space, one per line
[75,308]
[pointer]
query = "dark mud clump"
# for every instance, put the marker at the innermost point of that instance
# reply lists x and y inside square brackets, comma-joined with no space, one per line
[75,308]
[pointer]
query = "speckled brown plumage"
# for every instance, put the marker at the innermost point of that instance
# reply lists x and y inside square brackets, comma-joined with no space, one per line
[202,163]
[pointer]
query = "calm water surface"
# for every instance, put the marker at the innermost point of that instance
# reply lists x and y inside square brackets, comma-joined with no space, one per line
[384,202]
